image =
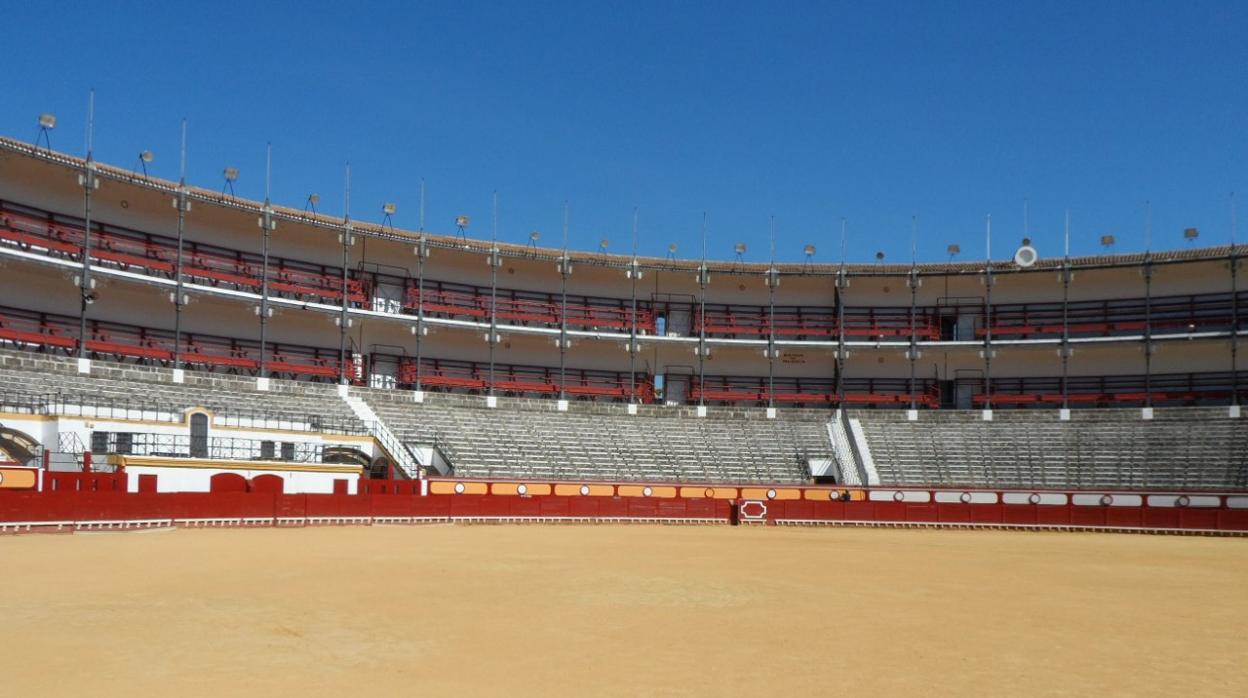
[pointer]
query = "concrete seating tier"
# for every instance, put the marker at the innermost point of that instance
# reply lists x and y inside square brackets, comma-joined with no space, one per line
[121,391]
[593,441]
[1180,448]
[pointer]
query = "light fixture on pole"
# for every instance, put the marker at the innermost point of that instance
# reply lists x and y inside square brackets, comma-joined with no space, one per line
[461,224]
[313,200]
[879,257]
[671,251]
[602,246]
[954,251]
[809,251]
[1190,234]
[231,175]
[1107,241]
[533,238]
[47,122]
[145,158]
[739,248]
[387,210]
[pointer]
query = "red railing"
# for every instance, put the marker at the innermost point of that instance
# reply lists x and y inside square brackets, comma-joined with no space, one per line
[475,304]
[26,329]
[860,323]
[518,379]
[157,255]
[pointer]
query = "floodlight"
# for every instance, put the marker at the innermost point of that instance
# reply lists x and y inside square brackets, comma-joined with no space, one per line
[147,156]
[879,256]
[388,209]
[1190,233]
[47,122]
[230,174]
[535,236]
[954,250]
[739,248]
[809,250]
[314,199]
[461,221]
[602,244]
[672,248]
[1107,240]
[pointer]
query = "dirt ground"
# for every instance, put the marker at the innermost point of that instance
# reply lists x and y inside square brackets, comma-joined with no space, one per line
[620,610]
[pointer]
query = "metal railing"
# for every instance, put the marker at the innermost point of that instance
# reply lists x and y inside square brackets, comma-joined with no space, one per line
[208,447]
[100,406]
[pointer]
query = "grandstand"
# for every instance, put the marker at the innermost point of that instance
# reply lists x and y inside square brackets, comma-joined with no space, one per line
[339,358]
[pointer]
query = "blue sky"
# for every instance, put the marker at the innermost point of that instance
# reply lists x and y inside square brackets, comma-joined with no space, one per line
[809,112]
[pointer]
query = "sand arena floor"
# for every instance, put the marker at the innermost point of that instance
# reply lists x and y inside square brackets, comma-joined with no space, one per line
[620,610]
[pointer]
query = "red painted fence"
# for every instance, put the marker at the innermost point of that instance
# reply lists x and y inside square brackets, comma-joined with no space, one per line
[86,500]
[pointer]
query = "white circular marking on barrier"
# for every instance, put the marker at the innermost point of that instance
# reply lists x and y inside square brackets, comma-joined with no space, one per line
[1034,498]
[1183,501]
[771,494]
[965,497]
[1106,500]
[646,492]
[708,493]
[459,488]
[898,496]
[522,489]
[584,490]
[834,495]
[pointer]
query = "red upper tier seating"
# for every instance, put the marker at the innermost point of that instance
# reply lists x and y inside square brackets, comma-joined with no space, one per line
[815,322]
[119,342]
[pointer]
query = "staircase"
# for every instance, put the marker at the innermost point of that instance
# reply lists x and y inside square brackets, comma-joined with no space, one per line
[399,453]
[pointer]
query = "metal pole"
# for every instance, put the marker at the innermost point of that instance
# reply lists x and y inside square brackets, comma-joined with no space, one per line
[565,268]
[1148,306]
[773,280]
[89,183]
[422,251]
[183,205]
[346,238]
[842,282]
[1066,318]
[988,319]
[913,283]
[633,273]
[267,223]
[702,281]
[494,262]
[1234,309]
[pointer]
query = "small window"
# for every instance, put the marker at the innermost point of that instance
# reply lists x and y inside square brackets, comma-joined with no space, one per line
[267,450]
[288,450]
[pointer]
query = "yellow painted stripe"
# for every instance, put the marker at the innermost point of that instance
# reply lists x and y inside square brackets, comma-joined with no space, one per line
[162,462]
[17,478]
[448,487]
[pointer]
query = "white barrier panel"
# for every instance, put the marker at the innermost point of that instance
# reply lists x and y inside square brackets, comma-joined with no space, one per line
[1108,500]
[1045,498]
[966,497]
[1182,500]
[899,496]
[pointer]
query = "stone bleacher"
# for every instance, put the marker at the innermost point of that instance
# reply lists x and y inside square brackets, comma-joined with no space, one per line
[531,438]
[1180,448]
[121,391]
